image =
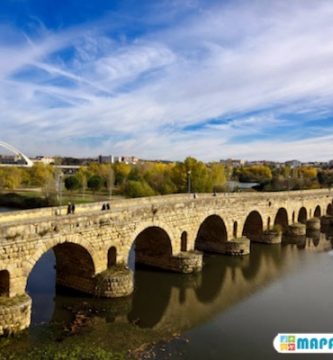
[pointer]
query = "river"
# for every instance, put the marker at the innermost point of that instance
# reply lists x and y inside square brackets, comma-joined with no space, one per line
[4,209]
[232,310]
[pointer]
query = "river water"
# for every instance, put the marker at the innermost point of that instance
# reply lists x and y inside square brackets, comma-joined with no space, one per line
[4,209]
[232,310]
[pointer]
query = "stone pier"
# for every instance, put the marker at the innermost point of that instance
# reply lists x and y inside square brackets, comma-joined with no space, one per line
[114,282]
[297,230]
[15,314]
[313,224]
[236,247]
[184,262]
[271,237]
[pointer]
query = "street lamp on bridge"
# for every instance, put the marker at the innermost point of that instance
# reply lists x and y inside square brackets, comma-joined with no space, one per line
[189,181]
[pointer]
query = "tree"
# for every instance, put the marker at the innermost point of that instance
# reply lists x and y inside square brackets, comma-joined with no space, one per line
[72,183]
[158,176]
[121,172]
[307,172]
[82,175]
[95,183]
[254,173]
[325,178]
[11,178]
[138,189]
[40,174]
[217,174]
[201,180]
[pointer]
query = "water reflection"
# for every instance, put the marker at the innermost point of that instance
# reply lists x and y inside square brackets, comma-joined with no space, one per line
[41,288]
[173,302]
[151,297]
[312,241]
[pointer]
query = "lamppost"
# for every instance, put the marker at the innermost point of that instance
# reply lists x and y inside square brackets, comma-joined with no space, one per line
[189,181]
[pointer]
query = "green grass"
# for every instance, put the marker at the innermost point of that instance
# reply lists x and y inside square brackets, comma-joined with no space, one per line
[61,352]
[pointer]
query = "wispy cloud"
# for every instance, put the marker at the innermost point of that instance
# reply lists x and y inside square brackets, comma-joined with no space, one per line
[213,81]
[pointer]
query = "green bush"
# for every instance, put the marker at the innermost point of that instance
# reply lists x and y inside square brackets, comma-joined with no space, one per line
[95,183]
[138,189]
[72,183]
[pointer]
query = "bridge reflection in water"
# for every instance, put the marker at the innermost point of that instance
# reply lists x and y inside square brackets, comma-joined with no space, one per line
[168,302]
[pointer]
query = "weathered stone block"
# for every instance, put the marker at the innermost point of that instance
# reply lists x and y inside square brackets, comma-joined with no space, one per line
[313,224]
[271,237]
[114,282]
[15,314]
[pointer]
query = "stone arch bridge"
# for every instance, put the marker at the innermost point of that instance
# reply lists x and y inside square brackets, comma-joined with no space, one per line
[93,246]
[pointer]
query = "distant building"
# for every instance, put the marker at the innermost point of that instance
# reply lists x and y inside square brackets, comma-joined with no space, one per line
[46,160]
[233,162]
[293,163]
[11,159]
[129,160]
[110,159]
[265,162]
[315,164]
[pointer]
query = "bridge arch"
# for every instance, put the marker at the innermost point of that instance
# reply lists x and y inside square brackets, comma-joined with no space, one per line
[317,212]
[183,241]
[4,283]
[329,209]
[211,233]
[281,219]
[302,215]
[74,269]
[71,255]
[293,217]
[112,256]
[268,222]
[253,226]
[235,229]
[170,232]
[11,148]
[152,246]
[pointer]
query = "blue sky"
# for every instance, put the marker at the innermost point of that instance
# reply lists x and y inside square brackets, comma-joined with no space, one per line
[168,79]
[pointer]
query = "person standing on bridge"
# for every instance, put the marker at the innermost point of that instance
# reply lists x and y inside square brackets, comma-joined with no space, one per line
[69,208]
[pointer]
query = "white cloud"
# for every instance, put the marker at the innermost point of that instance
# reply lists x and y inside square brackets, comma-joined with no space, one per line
[137,95]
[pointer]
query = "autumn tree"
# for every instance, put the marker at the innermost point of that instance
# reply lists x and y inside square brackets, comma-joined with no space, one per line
[218,176]
[11,178]
[198,173]
[121,172]
[138,188]
[254,173]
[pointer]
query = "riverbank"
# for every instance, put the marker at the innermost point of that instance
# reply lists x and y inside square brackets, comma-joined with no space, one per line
[35,199]
[23,201]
